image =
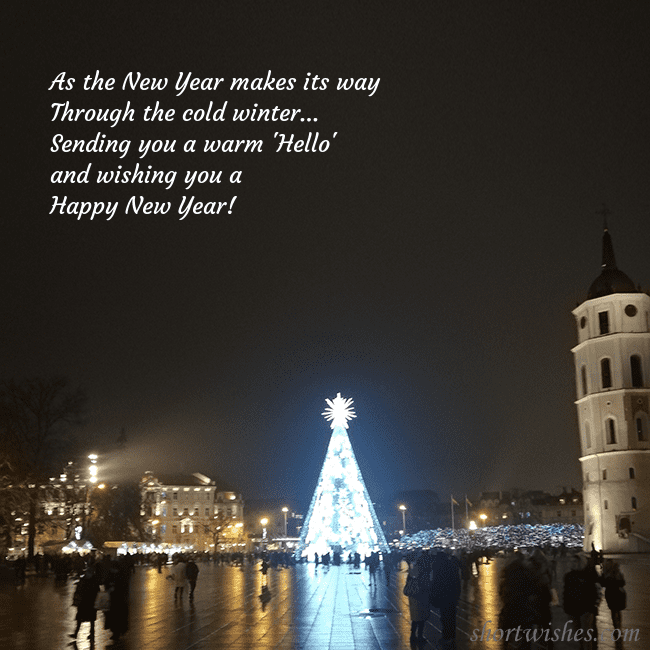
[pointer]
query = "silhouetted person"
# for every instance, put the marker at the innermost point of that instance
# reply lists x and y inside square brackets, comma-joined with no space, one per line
[84,601]
[419,609]
[192,572]
[615,596]
[373,565]
[581,598]
[117,617]
[445,593]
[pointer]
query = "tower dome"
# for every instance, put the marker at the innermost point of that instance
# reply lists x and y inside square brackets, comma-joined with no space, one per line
[611,279]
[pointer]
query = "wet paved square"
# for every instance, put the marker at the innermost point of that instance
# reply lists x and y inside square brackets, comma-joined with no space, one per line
[311,608]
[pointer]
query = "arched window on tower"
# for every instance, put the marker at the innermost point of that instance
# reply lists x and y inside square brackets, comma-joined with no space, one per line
[633,503]
[640,429]
[587,435]
[610,426]
[606,373]
[603,322]
[583,379]
[636,371]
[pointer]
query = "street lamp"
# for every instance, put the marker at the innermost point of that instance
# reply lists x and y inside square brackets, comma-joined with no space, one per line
[403,509]
[92,471]
[482,517]
[264,521]
[93,467]
[285,510]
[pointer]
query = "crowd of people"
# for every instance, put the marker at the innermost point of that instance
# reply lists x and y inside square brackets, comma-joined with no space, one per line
[497,537]
[104,585]
[434,581]
[526,592]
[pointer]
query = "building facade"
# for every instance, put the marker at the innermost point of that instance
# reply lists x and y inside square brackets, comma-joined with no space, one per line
[612,364]
[191,513]
[527,507]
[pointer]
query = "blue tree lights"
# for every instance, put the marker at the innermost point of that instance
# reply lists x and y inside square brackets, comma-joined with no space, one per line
[341,516]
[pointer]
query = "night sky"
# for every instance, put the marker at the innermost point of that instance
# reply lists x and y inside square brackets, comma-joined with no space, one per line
[426,265]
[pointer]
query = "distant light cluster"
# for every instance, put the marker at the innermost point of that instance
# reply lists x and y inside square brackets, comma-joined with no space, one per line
[505,537]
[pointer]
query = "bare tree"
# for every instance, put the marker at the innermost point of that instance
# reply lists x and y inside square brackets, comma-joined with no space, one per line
[36,417]
[217,528]
[116,514]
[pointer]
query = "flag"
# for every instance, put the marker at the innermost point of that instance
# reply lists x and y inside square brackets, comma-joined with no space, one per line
[468,502]
[454,501]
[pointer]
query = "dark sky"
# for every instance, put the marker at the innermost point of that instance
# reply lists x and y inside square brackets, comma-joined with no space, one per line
[426,265]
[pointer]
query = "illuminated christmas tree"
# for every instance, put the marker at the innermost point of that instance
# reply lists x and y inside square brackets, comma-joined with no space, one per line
[341,516]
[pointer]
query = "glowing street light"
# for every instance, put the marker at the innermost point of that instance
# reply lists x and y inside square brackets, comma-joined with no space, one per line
[285,510]
[403,509]
[264,521]
[482,517]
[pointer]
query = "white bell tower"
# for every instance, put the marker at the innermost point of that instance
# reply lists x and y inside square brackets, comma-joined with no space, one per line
[612,361]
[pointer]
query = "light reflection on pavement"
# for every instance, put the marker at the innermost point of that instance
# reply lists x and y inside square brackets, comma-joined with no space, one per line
[301,607]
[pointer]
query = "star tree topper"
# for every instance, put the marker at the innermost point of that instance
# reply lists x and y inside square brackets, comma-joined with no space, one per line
[339,411]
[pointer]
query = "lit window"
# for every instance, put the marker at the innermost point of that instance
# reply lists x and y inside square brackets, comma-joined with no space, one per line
[636,370]
[606,373]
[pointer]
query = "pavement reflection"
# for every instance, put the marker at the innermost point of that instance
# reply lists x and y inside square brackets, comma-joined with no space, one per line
[305,607]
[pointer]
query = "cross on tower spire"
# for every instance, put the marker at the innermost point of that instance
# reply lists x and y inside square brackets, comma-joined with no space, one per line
[604,212]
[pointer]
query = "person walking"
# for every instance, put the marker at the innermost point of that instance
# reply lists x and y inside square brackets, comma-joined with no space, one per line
[179,575]
[615,596]
[580,600]
[116,619]
[192,573]
[417,589]
[84,601]
[444,594]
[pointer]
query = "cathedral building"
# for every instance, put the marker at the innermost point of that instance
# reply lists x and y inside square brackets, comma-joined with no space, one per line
[612,363]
